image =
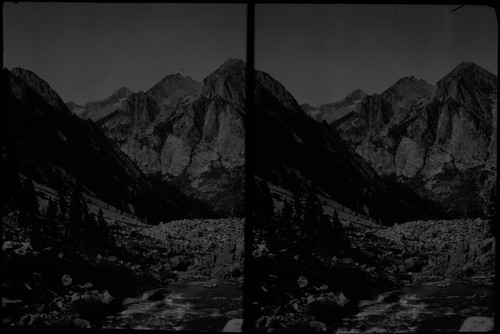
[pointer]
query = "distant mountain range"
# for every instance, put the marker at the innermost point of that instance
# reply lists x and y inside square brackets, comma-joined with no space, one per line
[391,157]
[293,153]
[183,131]
[440,141]
[102,108]
[45,142]
[330,112]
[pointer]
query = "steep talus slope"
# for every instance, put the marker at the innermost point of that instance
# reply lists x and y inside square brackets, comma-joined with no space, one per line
[293,151]
[441,143]
[102,108]
[46,142]
[191,136]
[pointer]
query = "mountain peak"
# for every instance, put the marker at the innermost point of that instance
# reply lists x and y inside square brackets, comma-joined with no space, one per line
[408,80]
[355,95]
[227,81]
[41,87]
[232,65]
[466,80]
[406,90]
[122,92]
[173,88]
[174,78]
[468,68]
[233,62]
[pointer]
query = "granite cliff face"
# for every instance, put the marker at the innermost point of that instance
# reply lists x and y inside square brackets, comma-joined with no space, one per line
[173,89]
[190,134]
[45,142]
[330,112]
[102,108]
[293,151]
[440,142]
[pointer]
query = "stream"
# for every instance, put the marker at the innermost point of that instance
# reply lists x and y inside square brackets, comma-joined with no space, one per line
[424,307]
[193,306]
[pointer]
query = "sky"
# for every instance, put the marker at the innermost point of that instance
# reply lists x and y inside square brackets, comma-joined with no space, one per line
[87,51]
[322,52]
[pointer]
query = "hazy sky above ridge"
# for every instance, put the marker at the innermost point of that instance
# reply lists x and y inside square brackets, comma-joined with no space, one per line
[86,51]
[322,52]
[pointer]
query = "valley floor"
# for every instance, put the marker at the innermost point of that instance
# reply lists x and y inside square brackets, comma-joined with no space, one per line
[416,276]
[158,277]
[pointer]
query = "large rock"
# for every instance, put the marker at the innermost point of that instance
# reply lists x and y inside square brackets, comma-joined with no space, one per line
[413,264]
[233,326]
[469,258]
[477,324]
[180,263]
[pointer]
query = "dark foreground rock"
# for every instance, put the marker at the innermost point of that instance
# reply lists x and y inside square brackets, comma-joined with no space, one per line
[323,289]
[79,287]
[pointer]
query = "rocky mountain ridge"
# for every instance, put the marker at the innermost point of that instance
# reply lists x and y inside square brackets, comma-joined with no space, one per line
[294,152]
[330,112]
[441,142]
[47,143]
[101,108]
[189,134]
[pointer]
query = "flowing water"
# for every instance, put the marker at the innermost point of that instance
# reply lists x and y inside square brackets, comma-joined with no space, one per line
[425,307]
[194,306]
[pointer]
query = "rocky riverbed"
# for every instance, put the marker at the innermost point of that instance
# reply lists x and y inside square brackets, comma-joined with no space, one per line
[192,262]
[404,278]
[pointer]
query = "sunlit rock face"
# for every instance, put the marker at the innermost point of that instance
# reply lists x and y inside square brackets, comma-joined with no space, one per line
[189,133]
[97,110]
[441,142]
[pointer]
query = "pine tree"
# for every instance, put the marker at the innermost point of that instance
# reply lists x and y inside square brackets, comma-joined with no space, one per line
[287,211]
[50,225]
[337,236]
[75,218]
[90,230]
[297,204]
[12,188]
[28,207]
[63,205]
[102,225]
[266,200]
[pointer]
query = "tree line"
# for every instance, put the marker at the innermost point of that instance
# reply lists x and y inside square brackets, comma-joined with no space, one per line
[303,223]
[66,222]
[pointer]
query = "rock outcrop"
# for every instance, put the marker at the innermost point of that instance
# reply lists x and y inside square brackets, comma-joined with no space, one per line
[102,108]
[189,134]
[441,142]
[330,112]
[45,142]
[293,151]
[207,247]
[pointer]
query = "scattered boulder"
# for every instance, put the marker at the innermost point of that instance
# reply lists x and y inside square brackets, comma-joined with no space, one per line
[341,300]
[106,297]
[302,282]
[82,323]
[179,262]
[153,295]
[6,302]
[477,324]
[233,326]
[317,326]
[413,264]
[66,280]
[7,245]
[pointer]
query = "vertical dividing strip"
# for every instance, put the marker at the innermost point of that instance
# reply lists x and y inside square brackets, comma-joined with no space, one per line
[248,285]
